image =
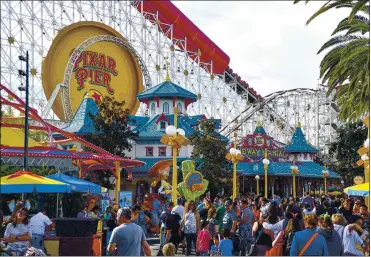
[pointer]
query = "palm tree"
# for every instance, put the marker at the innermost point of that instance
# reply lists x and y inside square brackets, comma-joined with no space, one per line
[346,66]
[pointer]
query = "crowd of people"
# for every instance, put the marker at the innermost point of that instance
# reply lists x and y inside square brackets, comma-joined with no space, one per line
[250,226]
[256,226]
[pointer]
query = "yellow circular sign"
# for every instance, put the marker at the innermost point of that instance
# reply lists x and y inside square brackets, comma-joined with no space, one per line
[358,180]
[103,68]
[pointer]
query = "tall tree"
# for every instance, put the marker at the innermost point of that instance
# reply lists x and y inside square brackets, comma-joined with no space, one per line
[350,137]
[345,68]
[209,153]
[112,133]
[112,129]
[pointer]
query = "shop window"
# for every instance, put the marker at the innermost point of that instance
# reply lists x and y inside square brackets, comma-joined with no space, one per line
[162,151]
[179,106]
[149,151]
[165,109]
[162,125]
[153,108]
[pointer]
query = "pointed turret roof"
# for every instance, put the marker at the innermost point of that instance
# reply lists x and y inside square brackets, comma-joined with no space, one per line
[167,89]
[259,128]
[81,123]
[299,144]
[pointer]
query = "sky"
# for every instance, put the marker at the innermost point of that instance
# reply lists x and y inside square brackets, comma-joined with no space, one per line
[268,43]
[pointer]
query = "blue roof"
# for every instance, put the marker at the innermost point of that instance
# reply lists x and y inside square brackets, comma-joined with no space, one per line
[307,169]
[81,122]
[187,123]
[299,144]
[260,129]
[167,89]
[138,121]
[151,161]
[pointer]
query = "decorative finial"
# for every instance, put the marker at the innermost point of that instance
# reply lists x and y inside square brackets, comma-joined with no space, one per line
[167,69]
[299,125]
[260,123]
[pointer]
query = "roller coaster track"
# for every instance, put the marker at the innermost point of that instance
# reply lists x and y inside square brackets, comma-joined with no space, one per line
[246,114]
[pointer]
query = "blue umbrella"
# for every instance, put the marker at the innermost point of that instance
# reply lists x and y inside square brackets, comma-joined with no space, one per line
[78,185]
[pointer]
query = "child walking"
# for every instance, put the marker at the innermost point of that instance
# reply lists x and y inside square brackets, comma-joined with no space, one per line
[215,250]
[203,239]
[226,245]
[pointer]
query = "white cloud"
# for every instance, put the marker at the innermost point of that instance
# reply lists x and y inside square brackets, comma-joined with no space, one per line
[268,43]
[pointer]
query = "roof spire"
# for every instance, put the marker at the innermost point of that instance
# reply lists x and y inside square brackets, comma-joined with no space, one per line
[299,125]
[167,69]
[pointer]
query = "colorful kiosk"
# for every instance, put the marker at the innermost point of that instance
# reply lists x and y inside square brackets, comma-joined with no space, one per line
[299,154]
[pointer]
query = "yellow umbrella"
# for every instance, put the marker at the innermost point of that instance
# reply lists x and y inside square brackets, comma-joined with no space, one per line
[28,182]
[358,190]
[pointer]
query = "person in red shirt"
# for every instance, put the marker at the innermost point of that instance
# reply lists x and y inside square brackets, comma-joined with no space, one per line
[203,239]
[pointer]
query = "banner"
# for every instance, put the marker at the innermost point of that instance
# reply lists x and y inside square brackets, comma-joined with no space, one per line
[126,199]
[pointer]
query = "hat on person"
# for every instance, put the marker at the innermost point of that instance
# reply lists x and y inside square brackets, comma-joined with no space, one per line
[228,203]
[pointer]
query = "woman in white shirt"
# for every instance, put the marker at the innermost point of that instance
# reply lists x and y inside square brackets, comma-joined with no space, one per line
[18,233]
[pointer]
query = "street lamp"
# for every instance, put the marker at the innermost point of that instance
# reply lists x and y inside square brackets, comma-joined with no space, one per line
[175,138]
[266,163]
[342,185]
[257,184]
[235,156]
[310,190]
[21,88]
[325,174]
[294,171]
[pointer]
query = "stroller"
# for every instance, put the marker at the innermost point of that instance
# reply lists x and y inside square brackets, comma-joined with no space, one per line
[236,239]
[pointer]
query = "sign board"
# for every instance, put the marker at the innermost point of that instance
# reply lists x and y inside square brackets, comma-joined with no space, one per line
[104,68]
[260,152]
[358,180]
[126,199]
[194,181]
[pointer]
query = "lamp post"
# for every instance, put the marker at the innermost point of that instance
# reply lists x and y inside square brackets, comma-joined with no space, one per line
[325,174]
[21,88]
[266,163]
[294,172]
[235,156]
[175,138]
[310,190]
[257,184]
[342,186]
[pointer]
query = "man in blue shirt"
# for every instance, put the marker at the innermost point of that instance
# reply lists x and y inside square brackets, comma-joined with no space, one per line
[318,247]
[230,217]
[128,239]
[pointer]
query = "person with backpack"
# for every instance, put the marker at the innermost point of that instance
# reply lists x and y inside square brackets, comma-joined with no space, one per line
[308,242]
[163,218]
[333,240]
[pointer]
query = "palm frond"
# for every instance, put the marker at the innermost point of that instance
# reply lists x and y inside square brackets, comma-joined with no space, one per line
[356,8]
[337,41]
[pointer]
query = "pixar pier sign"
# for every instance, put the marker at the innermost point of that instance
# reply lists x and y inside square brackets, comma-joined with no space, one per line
[97,68]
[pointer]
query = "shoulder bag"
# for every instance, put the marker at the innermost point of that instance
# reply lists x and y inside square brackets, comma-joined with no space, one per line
[277,249]
[252,251]
[311,239]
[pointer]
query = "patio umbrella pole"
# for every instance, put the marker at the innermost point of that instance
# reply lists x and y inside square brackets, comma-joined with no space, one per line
[57,205]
